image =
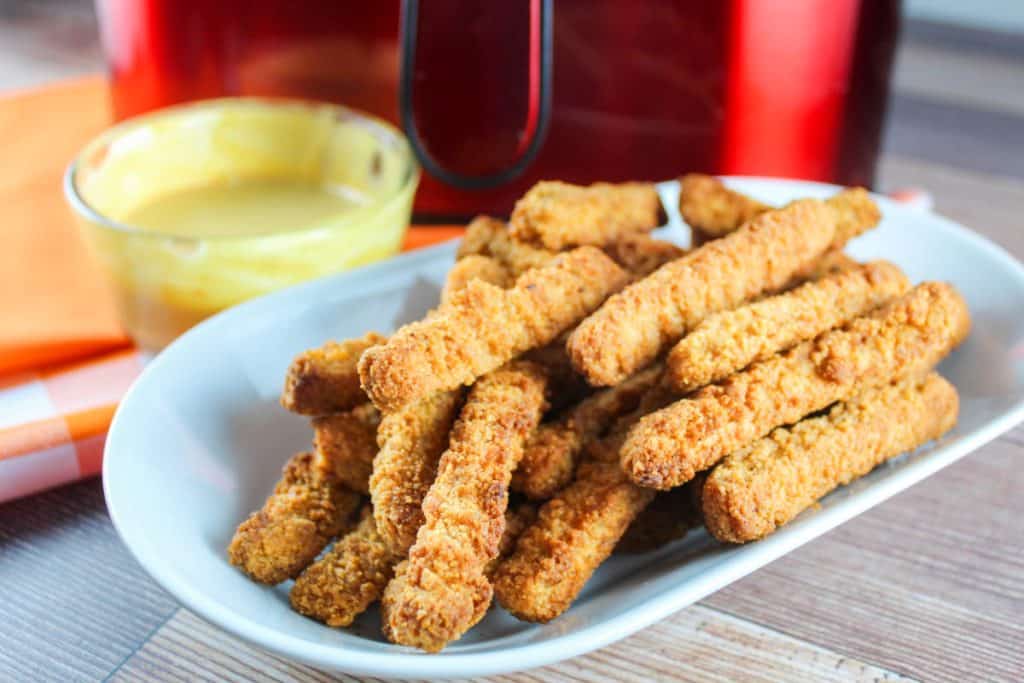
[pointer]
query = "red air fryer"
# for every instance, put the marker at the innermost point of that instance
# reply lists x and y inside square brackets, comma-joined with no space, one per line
[497,95]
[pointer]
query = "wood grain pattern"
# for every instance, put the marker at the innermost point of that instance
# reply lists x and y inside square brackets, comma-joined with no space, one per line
[697,644]
[73,601]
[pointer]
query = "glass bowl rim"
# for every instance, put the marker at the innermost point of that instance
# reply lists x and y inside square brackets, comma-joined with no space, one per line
[385,133]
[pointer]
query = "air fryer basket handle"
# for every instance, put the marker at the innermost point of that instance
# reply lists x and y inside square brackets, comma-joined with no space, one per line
[541,13]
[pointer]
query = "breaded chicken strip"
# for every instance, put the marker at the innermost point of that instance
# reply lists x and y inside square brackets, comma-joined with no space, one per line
[732,340]
[552,452]
[348,578]
[761,487]
[558,215]
[574,533]
[411,441]
[486,236]
[352,575]
[442,590]
[307,509]
[633,327]
[669,516]
[324,380]
[483,327]
[474,267]
[641,254]
[348,443]
[711,209]
[906,337]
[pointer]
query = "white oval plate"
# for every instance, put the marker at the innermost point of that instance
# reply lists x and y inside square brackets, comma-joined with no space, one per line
[199,441]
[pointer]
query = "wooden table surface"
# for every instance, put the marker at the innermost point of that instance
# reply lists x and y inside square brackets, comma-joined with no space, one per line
[927,586]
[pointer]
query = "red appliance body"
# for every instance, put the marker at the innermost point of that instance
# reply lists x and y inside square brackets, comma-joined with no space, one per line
[626,90]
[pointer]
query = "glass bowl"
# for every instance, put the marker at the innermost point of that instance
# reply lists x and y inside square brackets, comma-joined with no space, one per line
[166,281]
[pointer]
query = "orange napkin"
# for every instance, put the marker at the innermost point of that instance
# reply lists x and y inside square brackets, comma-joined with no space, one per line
[53,302]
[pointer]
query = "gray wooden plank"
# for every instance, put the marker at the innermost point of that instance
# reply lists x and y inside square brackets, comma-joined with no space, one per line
[697,644]
[930,583]
[74,602]
[945,132]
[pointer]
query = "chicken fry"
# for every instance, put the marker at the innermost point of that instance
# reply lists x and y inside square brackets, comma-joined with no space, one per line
[761,487]
[324,380]
[486,236]
[634,326]
[411,441]
[729,341]
[483,327]
[641,254]
[347,442]
[669,516]
[306,510]
[711,209]
[352,575]
[905,337]
[442,590]
[559,216]
[574,533]
[474,267]
[552,452]
[348,578]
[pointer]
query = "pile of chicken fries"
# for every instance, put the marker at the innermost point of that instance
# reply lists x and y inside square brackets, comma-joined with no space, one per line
[583,388]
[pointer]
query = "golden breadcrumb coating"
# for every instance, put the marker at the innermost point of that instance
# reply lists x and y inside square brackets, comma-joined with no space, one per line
[347,442]
[711,209]
[307,509]
[552,452]
[559,216]
[517,519]
[907,336]
[348,578]
[761,487]
[669,516]
[324,380]
[483,326]
[411,441]
[574,533]
[634,326]
[488,236]
[729,341]
[474,267]
[352,575]
[441,591]
[641,254]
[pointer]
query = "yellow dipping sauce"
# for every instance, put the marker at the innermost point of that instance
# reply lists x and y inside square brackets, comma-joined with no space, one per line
[248,207]
[196,208]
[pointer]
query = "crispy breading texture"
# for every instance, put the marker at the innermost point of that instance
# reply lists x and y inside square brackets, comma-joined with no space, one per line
[761,487]
[641,254]
[668,518]
[559,215]
[574,533]
[306,510]
[352,575]
[348,443]
[348,578]
[474,267]
[482,327]
[711,209]
[442,590]
[486,236]
[552,452]
[731,340]
[324,380]
[411,441]
[905,337]
[634,326]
